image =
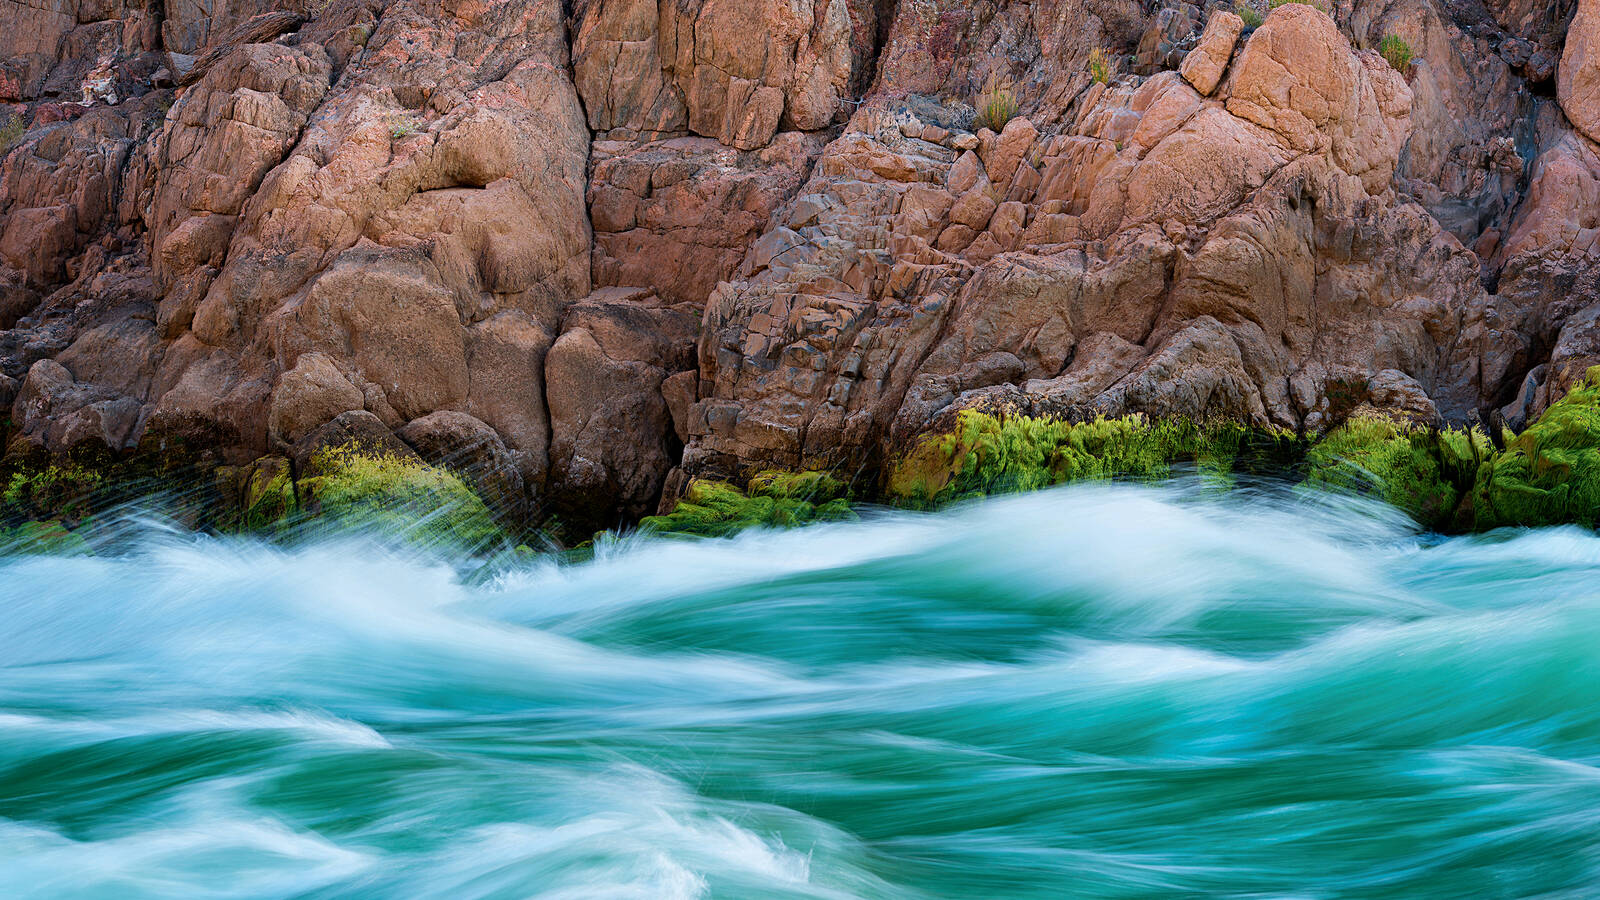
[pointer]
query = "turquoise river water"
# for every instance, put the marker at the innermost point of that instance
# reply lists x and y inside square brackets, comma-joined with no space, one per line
[1096,692]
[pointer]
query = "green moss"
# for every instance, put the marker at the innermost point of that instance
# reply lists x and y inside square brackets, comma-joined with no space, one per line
[987,454]
[268,497]
[42,537]
[772,500]
[355,488]
[1425,472]
[1549,474]
[814,487]
[52,492]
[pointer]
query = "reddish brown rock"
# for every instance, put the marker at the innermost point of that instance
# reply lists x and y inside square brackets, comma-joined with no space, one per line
[390,218]
[1203,66]
[58,190]
[309,396]
[612,434]
[1578,78]
[733,71]
[677,216]
[468,446]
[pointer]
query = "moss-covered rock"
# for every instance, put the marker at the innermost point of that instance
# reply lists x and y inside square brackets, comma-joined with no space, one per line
[772,500]
[52,492]
[1550,473]
[348,487]
[51,538]
[259,498]
[988,454]
[1427,472]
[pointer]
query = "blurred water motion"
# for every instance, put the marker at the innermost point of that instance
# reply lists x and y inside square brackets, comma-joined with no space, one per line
[1101,692]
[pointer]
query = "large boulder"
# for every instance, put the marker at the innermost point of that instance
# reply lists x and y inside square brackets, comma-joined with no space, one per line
[226,133]
[432,208]
[612,433]
[467,446]
[1299,77]
[1204,65]
[1578,78]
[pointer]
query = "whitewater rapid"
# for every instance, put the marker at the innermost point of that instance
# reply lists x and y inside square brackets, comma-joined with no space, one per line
[1091,692]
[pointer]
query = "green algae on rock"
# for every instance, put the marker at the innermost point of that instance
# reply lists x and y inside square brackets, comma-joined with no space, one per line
[1424,471]
[40,507]
[50,537]
[773,499]
[1550,473]
[989,454]
[350,487]
[267,492]
[1447,480]
[52,492]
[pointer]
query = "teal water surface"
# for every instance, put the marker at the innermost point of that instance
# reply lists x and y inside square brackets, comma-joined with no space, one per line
[1095,692]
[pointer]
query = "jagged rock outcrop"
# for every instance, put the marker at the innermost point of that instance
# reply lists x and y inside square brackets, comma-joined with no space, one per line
[734,70]
[612,433]
[582,251]
[678,215]
[1167,254]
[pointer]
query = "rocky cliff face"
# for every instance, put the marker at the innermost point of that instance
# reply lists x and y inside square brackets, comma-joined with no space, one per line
[592,248]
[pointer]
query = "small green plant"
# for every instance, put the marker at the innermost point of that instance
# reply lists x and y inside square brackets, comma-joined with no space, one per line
[403,127]
[1102,65]
[1314,4]
[1395,49]
[997,105]
[1248,14]
[10,133]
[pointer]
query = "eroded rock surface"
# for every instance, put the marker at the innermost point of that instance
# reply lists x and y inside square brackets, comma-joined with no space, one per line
[581,251]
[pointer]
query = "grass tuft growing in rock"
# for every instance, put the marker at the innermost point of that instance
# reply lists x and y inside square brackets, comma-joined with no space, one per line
[1247,14]
[1550,473]
[1397,52]
[11,133]
[1102,65]
[997,105]
[771,500]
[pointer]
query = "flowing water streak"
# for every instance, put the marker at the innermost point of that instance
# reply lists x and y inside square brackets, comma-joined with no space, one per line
[1096,692]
